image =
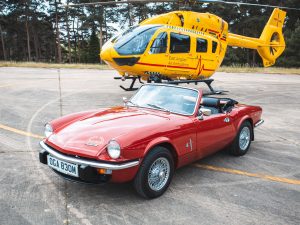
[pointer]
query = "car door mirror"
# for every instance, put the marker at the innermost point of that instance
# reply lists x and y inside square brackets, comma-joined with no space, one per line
[205,111]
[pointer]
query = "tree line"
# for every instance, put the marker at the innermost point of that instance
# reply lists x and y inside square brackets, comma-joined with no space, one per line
[48,31]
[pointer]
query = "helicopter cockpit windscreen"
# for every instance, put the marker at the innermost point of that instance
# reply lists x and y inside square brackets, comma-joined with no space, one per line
[136,40]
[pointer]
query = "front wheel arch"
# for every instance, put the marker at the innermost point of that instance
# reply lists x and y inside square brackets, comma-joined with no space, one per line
[163,142]
[171,148]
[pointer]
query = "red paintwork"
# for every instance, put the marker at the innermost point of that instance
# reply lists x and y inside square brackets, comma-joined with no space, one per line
[138,130]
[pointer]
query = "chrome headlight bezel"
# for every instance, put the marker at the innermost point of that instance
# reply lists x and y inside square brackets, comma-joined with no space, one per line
[48,130]
[113,149]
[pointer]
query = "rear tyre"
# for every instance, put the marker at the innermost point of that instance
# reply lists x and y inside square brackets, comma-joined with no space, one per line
[155,173]
[242,141]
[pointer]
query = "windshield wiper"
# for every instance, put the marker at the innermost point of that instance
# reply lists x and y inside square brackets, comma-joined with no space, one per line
[158,107]
[133,104]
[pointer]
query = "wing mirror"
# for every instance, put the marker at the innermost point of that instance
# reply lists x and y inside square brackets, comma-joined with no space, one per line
[203,111]
[206,112]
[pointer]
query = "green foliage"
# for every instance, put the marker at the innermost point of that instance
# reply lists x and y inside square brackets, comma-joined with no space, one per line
[93,49]
[291,56]
[80,30]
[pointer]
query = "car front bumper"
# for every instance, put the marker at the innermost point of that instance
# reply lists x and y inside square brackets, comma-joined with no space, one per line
[87,168]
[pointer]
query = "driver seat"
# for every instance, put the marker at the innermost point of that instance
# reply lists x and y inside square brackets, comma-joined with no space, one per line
[211,103]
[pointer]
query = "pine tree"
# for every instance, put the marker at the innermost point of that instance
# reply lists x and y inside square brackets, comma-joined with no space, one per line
[93,48]
[291,55]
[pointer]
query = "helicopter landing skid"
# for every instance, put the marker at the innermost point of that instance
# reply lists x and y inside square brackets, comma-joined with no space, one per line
[176,82]
[206,81]
[131,88]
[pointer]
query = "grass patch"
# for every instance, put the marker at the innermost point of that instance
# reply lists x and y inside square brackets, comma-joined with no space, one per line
[244,69]
[53,65]
[228,69]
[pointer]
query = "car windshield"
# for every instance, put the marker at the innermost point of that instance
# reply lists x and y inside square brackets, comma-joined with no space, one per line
[135,41]
[166,98]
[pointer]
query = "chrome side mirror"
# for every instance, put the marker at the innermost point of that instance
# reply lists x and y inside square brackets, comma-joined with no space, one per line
[206,112]
[203,111]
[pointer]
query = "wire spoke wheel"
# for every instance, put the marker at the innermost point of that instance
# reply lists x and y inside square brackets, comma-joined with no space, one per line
[158,174]
[244,139]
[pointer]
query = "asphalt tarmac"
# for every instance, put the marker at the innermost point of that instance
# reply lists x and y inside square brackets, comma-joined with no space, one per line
[262,187]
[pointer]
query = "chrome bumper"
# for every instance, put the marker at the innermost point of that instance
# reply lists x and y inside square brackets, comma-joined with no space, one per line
[258,123]
[96,164]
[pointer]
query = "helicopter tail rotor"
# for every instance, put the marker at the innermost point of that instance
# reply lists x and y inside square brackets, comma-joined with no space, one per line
[273,38]
[271,43]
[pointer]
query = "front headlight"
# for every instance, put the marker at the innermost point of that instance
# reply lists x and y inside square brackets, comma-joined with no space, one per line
[48,130]
[113,149]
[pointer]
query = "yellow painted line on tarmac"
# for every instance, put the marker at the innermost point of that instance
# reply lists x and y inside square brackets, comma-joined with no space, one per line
[244,173]
[202,166]
[24,133]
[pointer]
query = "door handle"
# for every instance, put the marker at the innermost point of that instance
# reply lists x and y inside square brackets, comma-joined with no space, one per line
[227,120]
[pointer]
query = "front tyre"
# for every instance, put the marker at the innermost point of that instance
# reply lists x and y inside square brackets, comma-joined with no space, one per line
[242,141]
[155,173]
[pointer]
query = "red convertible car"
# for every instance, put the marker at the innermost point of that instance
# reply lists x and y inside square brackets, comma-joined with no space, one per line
[161,128]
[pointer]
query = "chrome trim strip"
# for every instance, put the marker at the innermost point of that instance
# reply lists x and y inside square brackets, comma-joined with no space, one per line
[191,144]
[260,122]
[95,164]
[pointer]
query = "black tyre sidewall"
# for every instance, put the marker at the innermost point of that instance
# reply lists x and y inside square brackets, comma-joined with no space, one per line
[235,149]
[141,180]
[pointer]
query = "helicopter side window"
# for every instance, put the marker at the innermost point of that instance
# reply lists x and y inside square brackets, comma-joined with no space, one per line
[214,46]
[201,45]
[159,45]
[180,43]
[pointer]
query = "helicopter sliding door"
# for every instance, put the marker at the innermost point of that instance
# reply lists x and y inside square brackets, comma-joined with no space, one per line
[156,57]
[182,61]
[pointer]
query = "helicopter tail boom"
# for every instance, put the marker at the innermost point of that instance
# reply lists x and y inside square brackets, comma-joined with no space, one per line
[271,43]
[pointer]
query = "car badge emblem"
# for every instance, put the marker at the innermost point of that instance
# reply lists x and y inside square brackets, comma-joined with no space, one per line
[94,141]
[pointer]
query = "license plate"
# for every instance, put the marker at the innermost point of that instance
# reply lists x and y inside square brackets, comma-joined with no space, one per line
[62,166]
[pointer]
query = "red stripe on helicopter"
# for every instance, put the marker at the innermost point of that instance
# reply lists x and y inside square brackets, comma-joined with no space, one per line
[202,68]
[180,67]
[223,39]
[148,64]
[159,65]
[213,31]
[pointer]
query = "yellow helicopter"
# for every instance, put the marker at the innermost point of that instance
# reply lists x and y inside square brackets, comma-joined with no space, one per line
[186,46]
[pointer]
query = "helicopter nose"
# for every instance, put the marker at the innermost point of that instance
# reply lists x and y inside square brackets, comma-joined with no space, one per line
[105,54]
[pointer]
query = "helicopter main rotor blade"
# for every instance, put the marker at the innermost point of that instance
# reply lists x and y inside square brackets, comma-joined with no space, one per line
[154,1]
[116,3]
[244,3]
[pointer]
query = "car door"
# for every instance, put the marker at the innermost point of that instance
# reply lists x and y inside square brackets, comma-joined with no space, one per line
[213,133]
